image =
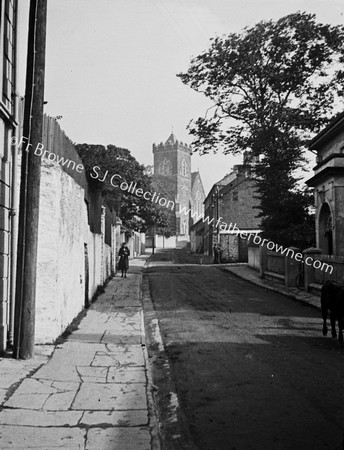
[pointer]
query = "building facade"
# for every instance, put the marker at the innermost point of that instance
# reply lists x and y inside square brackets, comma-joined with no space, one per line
[328,184]
[239,208]
[231,205]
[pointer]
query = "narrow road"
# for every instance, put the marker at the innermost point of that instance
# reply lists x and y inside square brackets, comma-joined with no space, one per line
[251,368]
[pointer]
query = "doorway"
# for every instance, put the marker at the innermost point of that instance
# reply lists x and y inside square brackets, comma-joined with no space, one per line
[326,230]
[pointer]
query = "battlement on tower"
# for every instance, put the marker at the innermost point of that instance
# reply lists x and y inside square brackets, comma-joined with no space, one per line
[172,144]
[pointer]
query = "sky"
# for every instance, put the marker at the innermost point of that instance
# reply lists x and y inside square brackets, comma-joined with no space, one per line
[111,66]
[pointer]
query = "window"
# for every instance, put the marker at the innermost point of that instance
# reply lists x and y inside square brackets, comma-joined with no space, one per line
[184,168]
[183,231]
[8,85]
[178,224]
[165,167]
[198,202]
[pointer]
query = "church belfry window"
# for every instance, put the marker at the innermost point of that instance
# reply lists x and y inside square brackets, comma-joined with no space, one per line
[165,167]
[184,168]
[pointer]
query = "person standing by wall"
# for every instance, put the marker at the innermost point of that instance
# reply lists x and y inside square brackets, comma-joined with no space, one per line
[123,263]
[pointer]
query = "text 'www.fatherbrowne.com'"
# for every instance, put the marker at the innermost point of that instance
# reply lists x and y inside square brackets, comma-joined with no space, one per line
[154,197]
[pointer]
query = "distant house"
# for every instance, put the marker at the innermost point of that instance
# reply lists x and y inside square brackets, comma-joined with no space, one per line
[212,211]
[231,204]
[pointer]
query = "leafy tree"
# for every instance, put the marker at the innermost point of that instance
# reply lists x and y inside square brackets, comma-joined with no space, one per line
[166,187]
[272,86]
[101,163]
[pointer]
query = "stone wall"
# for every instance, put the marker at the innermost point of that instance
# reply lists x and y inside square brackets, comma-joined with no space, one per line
[276,262]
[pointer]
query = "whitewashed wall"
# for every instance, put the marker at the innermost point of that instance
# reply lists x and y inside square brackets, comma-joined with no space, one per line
[63,231]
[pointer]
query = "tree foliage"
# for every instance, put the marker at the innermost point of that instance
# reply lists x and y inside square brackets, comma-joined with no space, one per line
[166,187]
[272,87]
[135,212]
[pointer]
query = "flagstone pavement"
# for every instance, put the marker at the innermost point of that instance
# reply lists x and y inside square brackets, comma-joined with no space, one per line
[93,390]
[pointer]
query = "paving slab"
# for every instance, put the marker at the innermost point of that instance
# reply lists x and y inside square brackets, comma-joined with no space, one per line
[19,437]
[118,438]
[62,365]
[37,394]
[27,401]
[39,418]
[111,396]
[127,418]
[95,374]
[120,357]
[123,302]
[61,401]
[122,324]
[111,337]
[33,386]
[85,337]
[93,321]
[127,375]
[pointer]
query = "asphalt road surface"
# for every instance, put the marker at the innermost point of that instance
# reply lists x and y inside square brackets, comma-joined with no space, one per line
[251,368]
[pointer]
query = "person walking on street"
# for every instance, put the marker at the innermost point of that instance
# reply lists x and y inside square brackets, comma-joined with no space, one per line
[217,254]
[123,263]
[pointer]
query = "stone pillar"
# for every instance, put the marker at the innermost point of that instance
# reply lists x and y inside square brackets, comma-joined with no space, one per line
[292,267]
[314,253]
[263,260]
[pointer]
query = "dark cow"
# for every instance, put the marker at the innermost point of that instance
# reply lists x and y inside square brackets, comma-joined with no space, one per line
[332,299]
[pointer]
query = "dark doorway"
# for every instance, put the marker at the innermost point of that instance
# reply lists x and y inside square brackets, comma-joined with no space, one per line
[243,250]
[325,230]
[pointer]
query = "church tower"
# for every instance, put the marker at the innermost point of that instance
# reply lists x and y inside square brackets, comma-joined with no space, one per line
[172,173]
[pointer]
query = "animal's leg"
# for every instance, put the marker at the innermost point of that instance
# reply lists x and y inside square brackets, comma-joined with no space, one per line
[340,326]
[324,316]
[333,324]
